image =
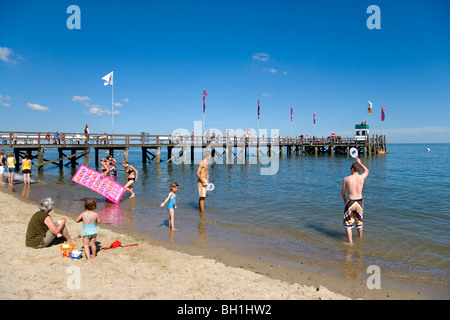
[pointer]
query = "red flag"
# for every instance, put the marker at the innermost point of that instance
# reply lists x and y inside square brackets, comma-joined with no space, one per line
[292,109]
[204,95]
[382,113]
[314,117]
[258,109]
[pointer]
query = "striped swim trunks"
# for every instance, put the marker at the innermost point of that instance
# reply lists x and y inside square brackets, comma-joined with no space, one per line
[353,213]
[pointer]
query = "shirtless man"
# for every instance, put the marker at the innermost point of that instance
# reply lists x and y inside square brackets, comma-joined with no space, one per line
[203,179]
[354,205]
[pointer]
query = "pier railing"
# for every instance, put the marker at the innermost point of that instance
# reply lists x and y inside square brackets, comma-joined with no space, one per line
[56,139]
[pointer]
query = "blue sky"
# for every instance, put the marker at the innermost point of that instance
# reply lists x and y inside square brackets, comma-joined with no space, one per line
[313,56]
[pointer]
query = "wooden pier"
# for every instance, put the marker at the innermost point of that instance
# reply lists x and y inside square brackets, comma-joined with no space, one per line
[74,146]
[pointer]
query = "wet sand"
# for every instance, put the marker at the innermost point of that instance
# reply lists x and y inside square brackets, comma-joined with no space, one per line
[156,269]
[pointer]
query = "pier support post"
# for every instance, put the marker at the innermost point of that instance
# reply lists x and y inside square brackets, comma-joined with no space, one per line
[125,154]
[61,155]
[184,155]
[73,160]
[144,155]
[228,154]
[158,155]
[40,159]
[86,156]
[96,156]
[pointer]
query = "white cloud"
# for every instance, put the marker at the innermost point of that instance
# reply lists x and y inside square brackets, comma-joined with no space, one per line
[3,99]
[37,107]
[98,111]
[7,55]
[265,94]
[261,56]
[81,99]
[271,70]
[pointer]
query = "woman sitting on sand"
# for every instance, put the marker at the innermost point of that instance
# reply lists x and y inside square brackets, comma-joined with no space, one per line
[41,228]
[130,170]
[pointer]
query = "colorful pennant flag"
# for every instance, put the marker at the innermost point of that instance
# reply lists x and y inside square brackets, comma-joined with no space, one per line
[108,78]
[314,118]
[204,96]
[292,109]
[369,108]
[383,110]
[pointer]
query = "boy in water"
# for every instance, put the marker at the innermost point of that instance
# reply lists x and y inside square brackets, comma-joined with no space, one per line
[354,205]
[203,179]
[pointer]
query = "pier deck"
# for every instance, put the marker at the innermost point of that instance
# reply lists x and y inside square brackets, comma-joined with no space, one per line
[80,145]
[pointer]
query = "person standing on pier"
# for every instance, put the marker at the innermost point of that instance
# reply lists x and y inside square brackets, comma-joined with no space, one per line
[354,205]
[130,170]
[203,179]
[86,132]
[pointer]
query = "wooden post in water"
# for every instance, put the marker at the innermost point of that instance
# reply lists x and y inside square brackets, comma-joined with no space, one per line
[61,155]
[125,154]
[40,159]
[86,156]
[96,156]
[144,155]
[158,155]
[73,160]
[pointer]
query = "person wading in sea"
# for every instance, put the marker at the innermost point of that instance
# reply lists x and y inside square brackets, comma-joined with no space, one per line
[354,204]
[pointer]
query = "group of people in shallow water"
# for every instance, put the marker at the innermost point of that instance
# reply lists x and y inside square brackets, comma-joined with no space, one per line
[109,168]
[8,165]
[42,230]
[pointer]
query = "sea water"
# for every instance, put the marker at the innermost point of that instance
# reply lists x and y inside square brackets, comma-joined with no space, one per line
[291,217]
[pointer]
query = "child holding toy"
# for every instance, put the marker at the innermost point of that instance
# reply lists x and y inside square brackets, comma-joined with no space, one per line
[172,198]
[90,230]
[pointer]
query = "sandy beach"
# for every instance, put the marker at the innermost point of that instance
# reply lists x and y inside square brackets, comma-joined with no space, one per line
[153,269]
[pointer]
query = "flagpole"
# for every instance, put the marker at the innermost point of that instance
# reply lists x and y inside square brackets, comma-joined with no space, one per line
[257,134]
[291,129]
[291,120]
[314,130]
[112,105]
[314,124]
[203,120]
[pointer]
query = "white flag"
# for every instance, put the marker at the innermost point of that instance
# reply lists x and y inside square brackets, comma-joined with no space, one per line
[370,103]
[108,78]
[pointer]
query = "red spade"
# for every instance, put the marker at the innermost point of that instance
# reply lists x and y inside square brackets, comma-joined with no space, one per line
[117,244]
